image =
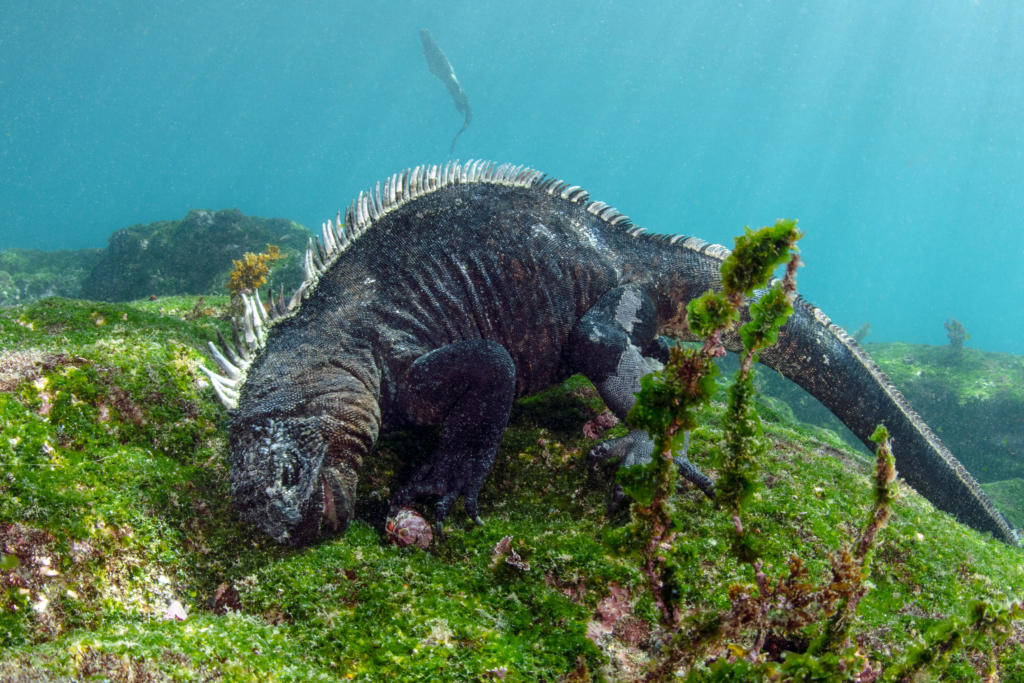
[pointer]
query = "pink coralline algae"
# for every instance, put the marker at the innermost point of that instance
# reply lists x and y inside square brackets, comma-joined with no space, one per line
[596,427]
[503,551]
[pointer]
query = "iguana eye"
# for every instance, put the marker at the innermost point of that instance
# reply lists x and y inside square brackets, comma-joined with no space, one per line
[289,474]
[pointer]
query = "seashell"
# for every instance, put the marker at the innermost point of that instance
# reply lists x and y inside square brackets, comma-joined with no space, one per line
[408,527]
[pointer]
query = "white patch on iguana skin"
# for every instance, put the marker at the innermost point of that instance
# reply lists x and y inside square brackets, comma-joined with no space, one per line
[584,230]
[625,312]
[620,387]
[654,364]
[540,229]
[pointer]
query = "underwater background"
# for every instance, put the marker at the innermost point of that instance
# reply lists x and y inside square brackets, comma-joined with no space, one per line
[183,135]
[891,130]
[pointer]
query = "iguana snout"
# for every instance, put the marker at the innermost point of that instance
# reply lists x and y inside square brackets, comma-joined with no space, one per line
[283,483]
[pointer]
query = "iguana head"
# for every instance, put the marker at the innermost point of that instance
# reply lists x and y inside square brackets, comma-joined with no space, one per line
[300,426]
[282,482]
[297,441]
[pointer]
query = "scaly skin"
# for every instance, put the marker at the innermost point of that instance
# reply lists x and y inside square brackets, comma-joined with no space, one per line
[496,270]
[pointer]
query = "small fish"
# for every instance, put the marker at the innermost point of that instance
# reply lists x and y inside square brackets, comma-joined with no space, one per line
[442,68]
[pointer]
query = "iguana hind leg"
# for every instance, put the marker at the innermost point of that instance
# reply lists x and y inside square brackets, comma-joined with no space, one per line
[636,448]
[605,345]
[468,388]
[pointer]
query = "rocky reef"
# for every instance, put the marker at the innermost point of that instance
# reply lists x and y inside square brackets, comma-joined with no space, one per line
[973,399]
[129,562]
[193,255]
[975,404]
[27,275]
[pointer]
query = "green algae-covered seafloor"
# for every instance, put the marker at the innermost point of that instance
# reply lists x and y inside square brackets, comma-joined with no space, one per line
[114,498]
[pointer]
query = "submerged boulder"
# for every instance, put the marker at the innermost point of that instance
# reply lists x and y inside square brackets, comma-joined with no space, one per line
[193,255]
[27,275]
[974,400]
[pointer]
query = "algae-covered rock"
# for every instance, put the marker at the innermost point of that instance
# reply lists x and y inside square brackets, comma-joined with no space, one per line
[974,400]
[115,502]
[193,255]
[27,275]
[1008,497]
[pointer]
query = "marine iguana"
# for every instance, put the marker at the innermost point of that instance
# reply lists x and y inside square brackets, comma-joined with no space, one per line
[442,68]
[451,290]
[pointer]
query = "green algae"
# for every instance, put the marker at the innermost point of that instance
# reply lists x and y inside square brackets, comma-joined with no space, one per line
[974,400]
[121,487]
[973,375]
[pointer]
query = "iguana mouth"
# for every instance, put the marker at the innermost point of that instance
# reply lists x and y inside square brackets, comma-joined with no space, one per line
[330,515]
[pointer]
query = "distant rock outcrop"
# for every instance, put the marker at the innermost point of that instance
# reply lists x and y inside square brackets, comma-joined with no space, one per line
[976,405]
[27,275]
[193,255]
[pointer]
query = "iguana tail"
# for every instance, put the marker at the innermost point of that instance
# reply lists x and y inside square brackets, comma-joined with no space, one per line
[827,362]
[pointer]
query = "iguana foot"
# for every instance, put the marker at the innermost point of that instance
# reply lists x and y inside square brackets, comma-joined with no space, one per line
[612,448]
[446,478]
[636,448]
[605,345]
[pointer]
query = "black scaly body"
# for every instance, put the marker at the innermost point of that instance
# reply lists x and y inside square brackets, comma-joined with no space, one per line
[454,289]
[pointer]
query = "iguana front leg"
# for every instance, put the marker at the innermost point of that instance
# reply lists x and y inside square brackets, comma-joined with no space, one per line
[605,346]
[467,387]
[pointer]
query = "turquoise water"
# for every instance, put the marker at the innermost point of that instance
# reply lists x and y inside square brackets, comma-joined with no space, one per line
[892,130]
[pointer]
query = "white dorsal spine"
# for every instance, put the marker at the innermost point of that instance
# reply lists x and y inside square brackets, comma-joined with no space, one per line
[229,368]
[259,307]
[255,322]
[250,334]
[371,205]
[360,210]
